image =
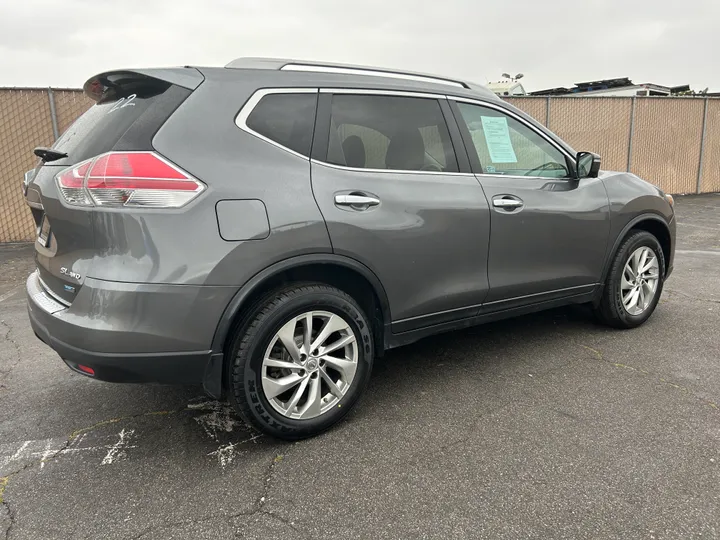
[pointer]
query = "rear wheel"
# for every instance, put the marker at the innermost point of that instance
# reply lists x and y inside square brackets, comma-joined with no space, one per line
[634,283]
[301,361]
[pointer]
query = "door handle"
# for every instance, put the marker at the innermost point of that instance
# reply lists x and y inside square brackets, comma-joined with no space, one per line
[358,202]
[507,203]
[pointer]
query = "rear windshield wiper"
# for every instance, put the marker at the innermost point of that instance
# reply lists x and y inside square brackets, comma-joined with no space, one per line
[47,154]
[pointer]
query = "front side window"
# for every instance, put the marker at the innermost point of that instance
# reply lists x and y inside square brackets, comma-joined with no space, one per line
[286,119]
[506,146]
[389,132]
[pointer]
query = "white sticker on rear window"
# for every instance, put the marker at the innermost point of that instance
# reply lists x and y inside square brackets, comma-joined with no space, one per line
[497,138]
[123,102]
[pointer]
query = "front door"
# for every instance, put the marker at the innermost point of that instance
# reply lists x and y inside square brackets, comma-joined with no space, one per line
[549,231]
[388,186]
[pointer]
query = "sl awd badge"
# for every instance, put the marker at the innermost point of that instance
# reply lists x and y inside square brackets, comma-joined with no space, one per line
[70,273]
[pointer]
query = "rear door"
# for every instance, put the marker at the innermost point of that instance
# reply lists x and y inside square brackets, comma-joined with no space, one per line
[386,178]
[549,230]
[66,245]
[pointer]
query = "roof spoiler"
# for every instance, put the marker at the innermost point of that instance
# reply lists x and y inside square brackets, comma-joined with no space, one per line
[106,85]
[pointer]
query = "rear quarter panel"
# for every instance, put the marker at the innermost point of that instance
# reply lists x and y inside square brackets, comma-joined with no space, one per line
[185,246]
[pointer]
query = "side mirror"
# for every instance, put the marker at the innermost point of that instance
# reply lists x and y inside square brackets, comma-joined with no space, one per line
[587,165]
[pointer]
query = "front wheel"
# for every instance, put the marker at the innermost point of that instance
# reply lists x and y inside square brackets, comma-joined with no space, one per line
[301,362]
[634,283]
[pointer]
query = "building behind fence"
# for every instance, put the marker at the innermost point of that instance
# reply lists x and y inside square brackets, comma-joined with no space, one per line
[671,142]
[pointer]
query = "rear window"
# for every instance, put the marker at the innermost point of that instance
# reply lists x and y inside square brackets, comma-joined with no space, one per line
[286,119]
[107,122]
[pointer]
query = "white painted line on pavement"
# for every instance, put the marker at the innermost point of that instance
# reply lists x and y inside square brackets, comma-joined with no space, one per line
[9,294]
[697,252]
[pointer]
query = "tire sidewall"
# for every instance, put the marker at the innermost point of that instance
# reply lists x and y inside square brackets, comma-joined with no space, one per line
[635,242]
[261,412]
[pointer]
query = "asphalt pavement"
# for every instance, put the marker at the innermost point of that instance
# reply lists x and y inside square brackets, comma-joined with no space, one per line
[546,426]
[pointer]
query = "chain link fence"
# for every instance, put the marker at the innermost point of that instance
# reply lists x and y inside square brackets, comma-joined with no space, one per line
[671,142]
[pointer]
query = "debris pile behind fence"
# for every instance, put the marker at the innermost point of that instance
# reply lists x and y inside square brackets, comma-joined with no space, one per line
[671,142]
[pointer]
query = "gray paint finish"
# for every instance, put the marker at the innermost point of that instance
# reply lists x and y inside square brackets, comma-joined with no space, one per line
[556,240]
[426,240]
[166,283]
[242,220]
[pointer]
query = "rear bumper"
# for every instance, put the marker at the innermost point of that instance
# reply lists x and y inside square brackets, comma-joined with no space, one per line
[140,333]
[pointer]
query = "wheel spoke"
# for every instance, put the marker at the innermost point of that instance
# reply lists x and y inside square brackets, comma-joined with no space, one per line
[312,408]
[346,367]
[651,262]
[339,343]
[287,337]
[333,324]
[331,384]
[307,333]
[625,283]
[275,387]
[631,299]
[649,291]
[272,362]
[297,395]
[641,262]
[641,297]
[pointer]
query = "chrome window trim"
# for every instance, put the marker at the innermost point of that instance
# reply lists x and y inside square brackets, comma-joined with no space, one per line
[250,104]
[374,92]
[503,110]
[397,171]
[371,73]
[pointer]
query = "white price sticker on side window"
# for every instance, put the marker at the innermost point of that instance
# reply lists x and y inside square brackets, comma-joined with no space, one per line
[497,138]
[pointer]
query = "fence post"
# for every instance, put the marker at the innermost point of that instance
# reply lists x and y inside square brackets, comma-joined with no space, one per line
[53,114]
[547,113]
[702,148]
[632,132]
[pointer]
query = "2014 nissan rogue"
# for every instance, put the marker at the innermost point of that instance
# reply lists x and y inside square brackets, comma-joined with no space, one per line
[268,229]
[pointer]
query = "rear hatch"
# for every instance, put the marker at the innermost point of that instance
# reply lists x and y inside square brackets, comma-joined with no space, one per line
[130,107]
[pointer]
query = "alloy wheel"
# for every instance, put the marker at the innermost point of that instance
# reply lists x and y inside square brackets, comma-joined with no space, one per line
[639,280]
[309,364]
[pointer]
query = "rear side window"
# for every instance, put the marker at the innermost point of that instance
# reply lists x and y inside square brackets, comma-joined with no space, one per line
[107,122]
[389,132]
[286,119]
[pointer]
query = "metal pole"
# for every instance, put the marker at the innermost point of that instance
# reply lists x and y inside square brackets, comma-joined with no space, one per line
[702,147]
[53,114]
[547,113]
[632,132]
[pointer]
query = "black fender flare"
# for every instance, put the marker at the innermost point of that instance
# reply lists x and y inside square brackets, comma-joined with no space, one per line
[212,381]
[620,237]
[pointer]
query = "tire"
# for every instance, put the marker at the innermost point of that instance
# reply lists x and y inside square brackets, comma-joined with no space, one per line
[259,342]
[612,309]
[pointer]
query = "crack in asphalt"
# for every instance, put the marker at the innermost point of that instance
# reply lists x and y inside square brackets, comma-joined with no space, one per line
[258,508]
[599,355]
[10,514]
[16,346]
[5,480]
[261,501]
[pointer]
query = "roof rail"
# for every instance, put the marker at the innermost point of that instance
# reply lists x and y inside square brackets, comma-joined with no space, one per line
[347,69]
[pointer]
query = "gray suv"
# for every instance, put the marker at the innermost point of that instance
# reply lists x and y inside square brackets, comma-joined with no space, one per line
[269,228]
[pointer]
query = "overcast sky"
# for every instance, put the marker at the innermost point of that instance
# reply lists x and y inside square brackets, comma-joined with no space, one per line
[61,43]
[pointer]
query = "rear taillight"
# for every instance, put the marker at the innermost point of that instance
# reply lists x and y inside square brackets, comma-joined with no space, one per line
[128,179]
